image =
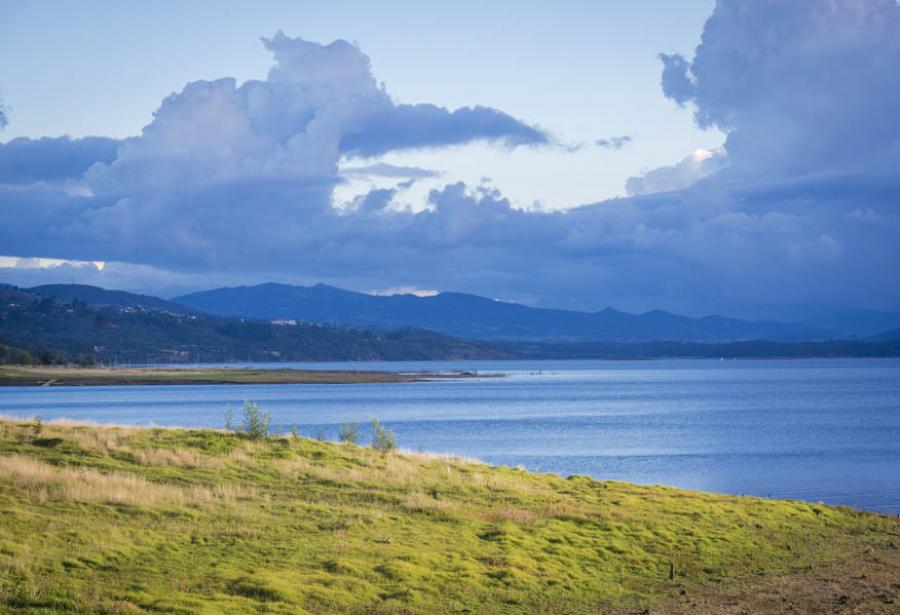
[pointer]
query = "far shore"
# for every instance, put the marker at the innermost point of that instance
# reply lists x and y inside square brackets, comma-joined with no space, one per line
[106,376]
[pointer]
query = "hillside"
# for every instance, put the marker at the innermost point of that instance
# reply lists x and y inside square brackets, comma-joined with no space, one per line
[101,297]
[116,520]
[476,317]
[887,336]
[54,328]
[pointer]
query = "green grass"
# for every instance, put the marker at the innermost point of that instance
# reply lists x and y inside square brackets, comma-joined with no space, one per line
[113,519]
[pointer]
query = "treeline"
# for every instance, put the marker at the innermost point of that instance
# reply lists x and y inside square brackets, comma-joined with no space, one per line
[697,350]
[10,355]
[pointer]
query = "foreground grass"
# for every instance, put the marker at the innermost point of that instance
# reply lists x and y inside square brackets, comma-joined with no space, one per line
[114,519]
[99,376]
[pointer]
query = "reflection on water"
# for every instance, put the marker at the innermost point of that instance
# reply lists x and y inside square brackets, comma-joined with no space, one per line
[812,429]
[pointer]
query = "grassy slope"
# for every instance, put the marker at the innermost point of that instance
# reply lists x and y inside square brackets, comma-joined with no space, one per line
[121,519]
[53,376]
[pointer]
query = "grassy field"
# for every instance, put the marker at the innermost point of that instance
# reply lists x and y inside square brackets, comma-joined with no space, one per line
[122,520]
[97,376]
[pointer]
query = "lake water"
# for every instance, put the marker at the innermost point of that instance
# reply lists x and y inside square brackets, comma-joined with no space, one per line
[820,430]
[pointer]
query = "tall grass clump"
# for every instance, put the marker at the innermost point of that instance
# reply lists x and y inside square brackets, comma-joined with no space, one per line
[383,439]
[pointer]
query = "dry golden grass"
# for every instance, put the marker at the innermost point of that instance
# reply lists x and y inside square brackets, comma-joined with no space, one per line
[515,515]
[179,458]
[44,482]
[401,471]
[421,502]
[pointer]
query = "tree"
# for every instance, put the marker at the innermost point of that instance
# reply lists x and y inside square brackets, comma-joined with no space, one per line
[349,433]
[383,439]
[256,421]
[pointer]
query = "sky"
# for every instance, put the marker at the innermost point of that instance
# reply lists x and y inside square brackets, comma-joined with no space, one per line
[734,157]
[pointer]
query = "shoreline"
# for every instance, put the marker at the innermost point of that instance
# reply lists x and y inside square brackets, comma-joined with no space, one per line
[138,376]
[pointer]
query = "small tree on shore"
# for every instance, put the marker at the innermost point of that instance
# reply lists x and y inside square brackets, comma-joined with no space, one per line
[229,417]
[349,433]
[256,421]
[383,439]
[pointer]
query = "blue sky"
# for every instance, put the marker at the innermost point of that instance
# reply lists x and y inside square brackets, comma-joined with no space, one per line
[740,157]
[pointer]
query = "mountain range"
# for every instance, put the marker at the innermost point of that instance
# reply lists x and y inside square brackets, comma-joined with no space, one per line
[481,318]
[59,325]
[62,323]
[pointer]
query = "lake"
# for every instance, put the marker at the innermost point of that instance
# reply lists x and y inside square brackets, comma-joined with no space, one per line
[819,430]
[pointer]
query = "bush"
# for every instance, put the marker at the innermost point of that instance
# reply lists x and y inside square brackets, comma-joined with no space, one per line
[256,421]
[229,417]
[383,439]
[349,433]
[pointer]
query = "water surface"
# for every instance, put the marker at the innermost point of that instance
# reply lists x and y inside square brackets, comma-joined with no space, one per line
[821,430]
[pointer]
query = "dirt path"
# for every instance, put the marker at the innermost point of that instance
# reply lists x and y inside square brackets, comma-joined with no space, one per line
[869,584]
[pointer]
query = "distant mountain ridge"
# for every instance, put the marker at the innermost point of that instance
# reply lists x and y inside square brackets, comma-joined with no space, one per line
[127,328]
[58,328]
[101,297]
[475,317]
[887,336]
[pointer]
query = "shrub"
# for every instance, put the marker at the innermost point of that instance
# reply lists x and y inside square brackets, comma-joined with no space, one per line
[256,421]
[383,439]
[349,433]
[229,417]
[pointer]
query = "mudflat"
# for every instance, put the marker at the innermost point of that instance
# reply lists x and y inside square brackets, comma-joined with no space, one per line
[98,376]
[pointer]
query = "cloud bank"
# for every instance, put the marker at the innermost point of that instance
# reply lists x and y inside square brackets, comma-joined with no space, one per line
[800,206]
[25,161]
[805,86]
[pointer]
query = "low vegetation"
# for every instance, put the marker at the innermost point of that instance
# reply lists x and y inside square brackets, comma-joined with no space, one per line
[119,520]
[100,376]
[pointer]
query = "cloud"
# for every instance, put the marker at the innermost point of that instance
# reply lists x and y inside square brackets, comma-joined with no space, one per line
[404,290]
[799,87]
[24,161]
[223,163]
[690,170]
[237,181]
[382,169]
[416,126]
[4,119]
[614,142]
[675,80]
[319,103]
